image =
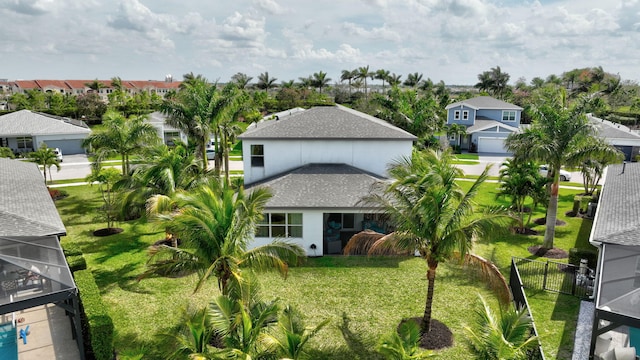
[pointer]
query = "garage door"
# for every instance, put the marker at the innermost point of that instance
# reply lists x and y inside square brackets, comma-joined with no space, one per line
[67,147]
[491,145]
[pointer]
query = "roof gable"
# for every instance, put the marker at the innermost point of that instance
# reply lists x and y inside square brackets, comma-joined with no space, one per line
[26,208]
[484,102]
[484,125]
[326,122]
[26,122]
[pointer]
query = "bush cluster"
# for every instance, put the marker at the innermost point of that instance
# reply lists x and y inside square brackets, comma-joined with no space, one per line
[97,324]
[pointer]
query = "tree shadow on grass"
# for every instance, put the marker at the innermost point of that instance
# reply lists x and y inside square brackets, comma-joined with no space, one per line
[360,346]
[124,277]
[135,348]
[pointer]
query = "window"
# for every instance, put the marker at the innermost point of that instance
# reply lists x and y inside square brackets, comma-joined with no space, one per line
[465,115]
[346,221]
[257,155]
[170,137]
[508,115]
[25,143]
[280,225]
[456,115]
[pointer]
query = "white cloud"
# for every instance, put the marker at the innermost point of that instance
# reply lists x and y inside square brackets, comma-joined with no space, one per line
[270,6]
[380,33]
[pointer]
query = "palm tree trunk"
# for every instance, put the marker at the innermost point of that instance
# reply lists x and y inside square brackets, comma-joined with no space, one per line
[226,164]
[203,149]
[431,279]
[552,215]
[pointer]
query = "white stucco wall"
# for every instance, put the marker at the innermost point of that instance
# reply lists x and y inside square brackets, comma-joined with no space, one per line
[284,155]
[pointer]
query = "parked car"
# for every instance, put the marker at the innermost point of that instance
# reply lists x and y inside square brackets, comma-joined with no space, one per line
[211,153]
[58,153]
[564,175]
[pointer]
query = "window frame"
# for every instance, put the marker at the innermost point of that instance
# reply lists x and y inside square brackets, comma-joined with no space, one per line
[457,115]
[506,117]
[23,141]
[257,160]
[465,115]
[288,224]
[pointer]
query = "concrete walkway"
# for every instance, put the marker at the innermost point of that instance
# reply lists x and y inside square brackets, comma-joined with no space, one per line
[50,335]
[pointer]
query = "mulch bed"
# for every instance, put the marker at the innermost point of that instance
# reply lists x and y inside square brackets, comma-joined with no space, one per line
[543,221]
[554,253]
[107,232]
[439,336]
[525,231]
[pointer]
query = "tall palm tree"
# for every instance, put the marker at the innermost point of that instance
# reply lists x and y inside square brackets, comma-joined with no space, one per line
[320,80]
[383,75]
[46,158]
[484,81]
[557,136]
[433,216]
[265,82]
[413,79]
[287,84]
[241,80]
[348,75]
[500,81]
[216,222]
[121,136]
[503,337]
[199,108]
[363,73]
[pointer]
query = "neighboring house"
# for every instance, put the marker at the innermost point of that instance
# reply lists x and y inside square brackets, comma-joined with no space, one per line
[33,269]
[619,136]
[489,121]
[24,131]
[165,131]
[319,163]
[616,233]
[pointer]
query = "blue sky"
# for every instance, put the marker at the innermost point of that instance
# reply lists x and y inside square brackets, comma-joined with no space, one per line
[449,40]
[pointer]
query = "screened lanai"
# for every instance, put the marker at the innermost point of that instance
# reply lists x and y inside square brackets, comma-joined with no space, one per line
[33,269]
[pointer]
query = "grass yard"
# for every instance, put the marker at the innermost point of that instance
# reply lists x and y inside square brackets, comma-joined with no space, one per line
[364,298]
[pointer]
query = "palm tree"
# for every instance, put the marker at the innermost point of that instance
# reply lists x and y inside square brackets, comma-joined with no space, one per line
[394,80]
[456,130]
[519,180]
[484,81]
[192,340]
[413,79]
[382,74]
[95,85]
[46,158]
[348,75]
[557,136]
[433,216]
[403,343]
[499,82]
[363,73]
[320,80]
[295,335]
[265,82]
[121,136]
[199,108]
[592,169]
[216,222]
[165,172]
[244,321]
[504,337]
[241,80]
[287,84]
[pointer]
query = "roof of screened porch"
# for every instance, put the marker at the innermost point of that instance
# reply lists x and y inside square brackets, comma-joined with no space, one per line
[33,272]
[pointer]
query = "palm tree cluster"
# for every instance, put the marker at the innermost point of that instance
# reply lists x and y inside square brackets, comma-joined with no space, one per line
[495,82]
[558,136]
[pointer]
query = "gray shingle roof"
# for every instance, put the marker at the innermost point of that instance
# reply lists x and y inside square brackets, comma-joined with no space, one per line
[618,218]
[609,130]
[26,208]
[326,122]
[485,102]
[319,186]
[26,122]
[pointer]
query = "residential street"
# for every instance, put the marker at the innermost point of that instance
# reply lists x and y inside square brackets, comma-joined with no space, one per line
[79,166]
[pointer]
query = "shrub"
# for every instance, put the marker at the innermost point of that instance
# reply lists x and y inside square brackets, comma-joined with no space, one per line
[71,249]
[575,254]
[97,324]
[76,263]
[57,194]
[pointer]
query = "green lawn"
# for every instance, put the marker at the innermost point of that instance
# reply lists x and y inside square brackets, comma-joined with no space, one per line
[364,297]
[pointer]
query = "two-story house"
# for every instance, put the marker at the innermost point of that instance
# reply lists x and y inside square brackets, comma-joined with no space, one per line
[319,163]
[488,121]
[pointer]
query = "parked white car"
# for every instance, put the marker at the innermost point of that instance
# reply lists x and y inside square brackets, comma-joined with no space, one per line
[564,175]
[211,153]
[58,153]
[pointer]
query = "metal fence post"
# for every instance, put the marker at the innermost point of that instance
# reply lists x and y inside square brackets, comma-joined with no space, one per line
[544,280]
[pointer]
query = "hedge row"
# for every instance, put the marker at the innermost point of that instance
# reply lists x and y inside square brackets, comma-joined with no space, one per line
[97,324]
